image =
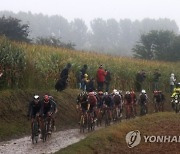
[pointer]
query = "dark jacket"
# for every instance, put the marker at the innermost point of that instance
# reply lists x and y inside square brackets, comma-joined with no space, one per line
[108,77]
[64,74]
[49,107]
[33,108]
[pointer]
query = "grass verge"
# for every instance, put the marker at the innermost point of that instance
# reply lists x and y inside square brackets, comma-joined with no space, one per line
[112,139]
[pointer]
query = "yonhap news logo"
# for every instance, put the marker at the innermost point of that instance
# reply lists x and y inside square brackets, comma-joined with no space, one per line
[133,138]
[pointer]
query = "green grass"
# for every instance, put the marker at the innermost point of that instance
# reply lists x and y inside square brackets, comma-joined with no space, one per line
[112,139]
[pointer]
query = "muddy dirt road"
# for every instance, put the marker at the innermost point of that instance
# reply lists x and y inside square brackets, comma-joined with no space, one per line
[57,141]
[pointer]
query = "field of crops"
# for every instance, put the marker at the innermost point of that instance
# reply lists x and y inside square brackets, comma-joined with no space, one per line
[37,67]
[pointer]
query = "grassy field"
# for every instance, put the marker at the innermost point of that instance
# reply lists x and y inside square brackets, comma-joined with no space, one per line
[14,105]
[112,139]
[37,67]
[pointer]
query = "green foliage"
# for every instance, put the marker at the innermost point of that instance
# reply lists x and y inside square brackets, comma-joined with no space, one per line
[158,45]
[13,63]
[42,65]
[12,28]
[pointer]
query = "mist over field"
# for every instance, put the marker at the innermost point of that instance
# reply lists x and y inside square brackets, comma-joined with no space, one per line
[105,36]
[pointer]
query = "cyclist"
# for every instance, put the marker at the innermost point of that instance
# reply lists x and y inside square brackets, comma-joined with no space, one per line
[143,100]
[158,100]
[176,94]
[92,103]
[82,103]
[128,104]
[117,101]
[134,101]
[47,109]
[176,90]
[100,97]
[34,110]
[54,108]
[107,101]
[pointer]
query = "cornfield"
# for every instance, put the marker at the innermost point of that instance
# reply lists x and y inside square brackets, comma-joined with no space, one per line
[38,67]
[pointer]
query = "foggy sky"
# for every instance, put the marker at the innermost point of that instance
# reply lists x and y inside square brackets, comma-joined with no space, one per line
[90,9]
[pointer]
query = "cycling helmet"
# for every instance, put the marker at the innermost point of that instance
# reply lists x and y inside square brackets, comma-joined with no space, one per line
[116,93]
[36,97]
[46,98]
[143,91]
[172,74]
[120,91]
[128,92]
[85,75]
[106,93]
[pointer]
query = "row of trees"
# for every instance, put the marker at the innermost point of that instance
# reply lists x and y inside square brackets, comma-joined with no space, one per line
[155,45]
[110,36]
[158,45]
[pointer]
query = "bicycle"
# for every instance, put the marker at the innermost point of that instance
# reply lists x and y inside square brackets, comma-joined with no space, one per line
[143,110]
[46,127]
[83,121]
[90,121]
[117,113]
[99,116]
[35,130]
[129,111]
[107,116]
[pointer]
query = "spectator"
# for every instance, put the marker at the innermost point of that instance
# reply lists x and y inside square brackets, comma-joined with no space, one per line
[140,77]
[90,85]
[100,78]
[62,82]
[83,71]
[156,77]
[78,79]
[107,80]
[85,82]
[172,82]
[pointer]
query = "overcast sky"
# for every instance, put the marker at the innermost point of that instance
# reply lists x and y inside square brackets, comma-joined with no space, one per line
[90,9]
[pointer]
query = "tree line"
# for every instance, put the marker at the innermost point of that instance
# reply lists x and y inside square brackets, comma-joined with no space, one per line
[108,36]
[147,39]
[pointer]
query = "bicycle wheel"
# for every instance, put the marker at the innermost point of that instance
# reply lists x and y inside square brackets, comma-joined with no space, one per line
[107,118]
[177,107]
[35,132]
[89,122]
[82,124]
[45,131]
